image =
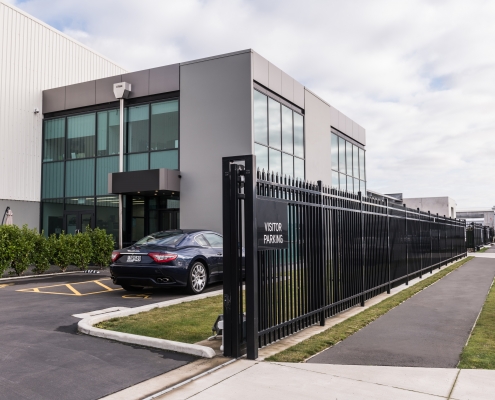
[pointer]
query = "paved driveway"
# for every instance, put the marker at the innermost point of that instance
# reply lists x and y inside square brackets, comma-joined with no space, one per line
[428,330]
[43,357]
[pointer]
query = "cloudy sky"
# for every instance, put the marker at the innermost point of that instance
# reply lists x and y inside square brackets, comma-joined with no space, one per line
[418,75]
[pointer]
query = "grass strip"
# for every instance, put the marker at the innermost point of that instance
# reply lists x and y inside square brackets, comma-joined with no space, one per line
[483,250]
[479,352]
[188,322]
[317,343]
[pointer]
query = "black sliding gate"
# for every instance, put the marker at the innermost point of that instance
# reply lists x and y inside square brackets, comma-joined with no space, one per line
[327,251]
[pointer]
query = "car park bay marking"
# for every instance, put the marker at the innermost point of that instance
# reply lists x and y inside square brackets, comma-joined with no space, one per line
[68,289]
[137,296]
[6,284]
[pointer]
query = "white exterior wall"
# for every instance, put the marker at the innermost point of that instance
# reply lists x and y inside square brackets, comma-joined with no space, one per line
[441,205]
[34,57]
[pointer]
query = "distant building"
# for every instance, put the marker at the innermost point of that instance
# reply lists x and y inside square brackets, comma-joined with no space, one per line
[442,205]
[481,215]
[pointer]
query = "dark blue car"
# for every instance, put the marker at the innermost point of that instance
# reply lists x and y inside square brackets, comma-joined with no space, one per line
[188,258]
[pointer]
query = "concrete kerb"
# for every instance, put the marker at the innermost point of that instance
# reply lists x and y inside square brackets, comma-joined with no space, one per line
[87,327]
[11,278]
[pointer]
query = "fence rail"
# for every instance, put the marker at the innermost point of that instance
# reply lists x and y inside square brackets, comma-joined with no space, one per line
[478,235]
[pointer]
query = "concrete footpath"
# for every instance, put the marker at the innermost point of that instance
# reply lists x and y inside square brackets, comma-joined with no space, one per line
[252,380]
[428,330]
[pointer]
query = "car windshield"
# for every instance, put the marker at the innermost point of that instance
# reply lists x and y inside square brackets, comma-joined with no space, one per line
[162,238]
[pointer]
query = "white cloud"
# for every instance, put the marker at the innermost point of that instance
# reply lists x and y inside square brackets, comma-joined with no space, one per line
[418,75]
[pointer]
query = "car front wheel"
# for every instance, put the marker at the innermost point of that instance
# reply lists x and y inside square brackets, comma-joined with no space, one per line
[197,278]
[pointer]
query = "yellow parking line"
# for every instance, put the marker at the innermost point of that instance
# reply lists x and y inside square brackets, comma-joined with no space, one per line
[103,286]
[69,286]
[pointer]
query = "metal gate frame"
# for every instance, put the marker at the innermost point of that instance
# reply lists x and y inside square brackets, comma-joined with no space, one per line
[239,205]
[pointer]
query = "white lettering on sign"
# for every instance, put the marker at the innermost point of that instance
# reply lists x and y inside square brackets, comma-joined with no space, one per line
[267,239]
[273,227]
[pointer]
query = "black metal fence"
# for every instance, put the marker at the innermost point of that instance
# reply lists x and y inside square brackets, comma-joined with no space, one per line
[478,235]
[342,249]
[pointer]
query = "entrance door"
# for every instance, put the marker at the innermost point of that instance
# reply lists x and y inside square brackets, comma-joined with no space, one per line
[78,221]
[169,219]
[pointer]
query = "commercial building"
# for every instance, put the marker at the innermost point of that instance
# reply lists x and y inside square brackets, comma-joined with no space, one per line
[180,120]
[33,57]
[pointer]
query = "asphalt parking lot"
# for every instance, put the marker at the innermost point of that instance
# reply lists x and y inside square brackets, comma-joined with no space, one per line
[42,355]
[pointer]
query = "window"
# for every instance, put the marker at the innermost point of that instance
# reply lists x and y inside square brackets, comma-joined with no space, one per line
[299,172]
[164,159]
[335,152]
[287,136]
[279,136]
[298,135]
[53,180]
[355,162]
[137,124]
[287,165]
[341,155]
[275,161]
[80,178]
[165,125]
[260,118]
[214,240]
[54,140]
[81,136]
[362,165]
[274,123]
[261,153]
[348,165]
[136,162]
[108,133]
[104,166]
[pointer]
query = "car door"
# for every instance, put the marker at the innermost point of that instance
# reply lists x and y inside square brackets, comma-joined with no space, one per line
[216,243]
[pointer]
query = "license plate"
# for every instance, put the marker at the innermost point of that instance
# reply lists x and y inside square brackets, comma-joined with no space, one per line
[133,258]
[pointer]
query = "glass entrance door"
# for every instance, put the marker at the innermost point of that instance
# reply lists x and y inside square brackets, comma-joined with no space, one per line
[78,221]
[169,219]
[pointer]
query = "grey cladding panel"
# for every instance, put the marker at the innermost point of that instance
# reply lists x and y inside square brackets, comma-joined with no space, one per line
[287,87]
[260,69]
[334,117]
[139,83]
[362,135]
[104,89]
[274,79]
[164,79]
[355,131]
[348,127]
[80,95]
[53,100]
[216,121]
[298,94]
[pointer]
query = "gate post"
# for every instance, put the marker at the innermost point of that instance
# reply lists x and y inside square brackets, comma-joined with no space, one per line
[251,258]
[240,221]
[406,238]
[231,334]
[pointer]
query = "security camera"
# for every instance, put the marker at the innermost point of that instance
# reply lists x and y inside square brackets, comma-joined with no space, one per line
[36,111]
[121,90]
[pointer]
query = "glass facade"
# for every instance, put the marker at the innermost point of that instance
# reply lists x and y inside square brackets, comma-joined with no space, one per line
[79,151]
[348,165]
[278,136]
